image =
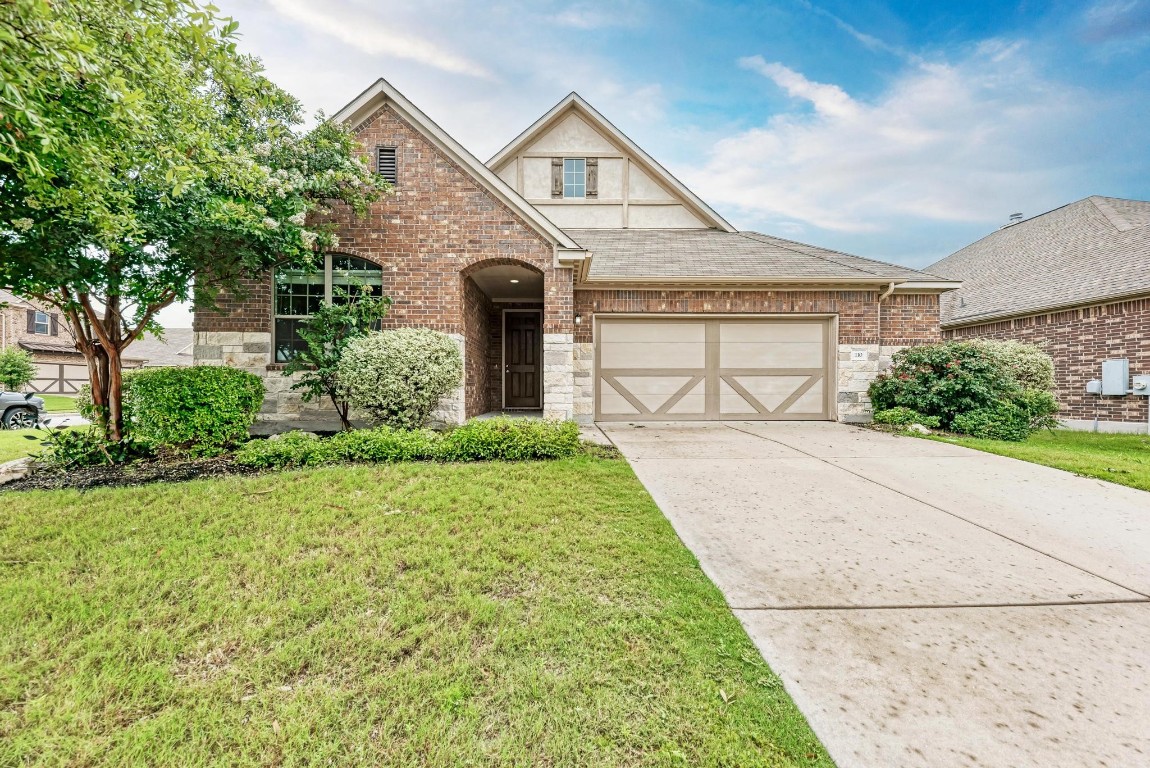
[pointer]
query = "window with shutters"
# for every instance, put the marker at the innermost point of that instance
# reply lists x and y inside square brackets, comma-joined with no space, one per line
[574,177]
[336,278]
[41,323]
[386,164]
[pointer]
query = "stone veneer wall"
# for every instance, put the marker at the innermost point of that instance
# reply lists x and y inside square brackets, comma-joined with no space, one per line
[438,228]
[907,319]
[1079,339]
[558,387]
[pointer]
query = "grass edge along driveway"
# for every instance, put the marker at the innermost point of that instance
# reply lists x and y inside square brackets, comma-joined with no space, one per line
[414,614]
[1118,458]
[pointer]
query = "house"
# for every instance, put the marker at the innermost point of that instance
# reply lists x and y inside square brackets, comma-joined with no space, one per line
[1076,282]
[61,369]
[581,279]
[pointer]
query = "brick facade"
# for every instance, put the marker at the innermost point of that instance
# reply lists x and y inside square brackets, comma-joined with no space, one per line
[907,319]
[1079,340]
[438,228]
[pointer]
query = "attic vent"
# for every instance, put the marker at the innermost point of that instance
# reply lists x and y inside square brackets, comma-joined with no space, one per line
[385,164]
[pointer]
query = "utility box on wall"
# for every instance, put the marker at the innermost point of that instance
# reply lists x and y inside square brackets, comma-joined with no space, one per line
[1115,377]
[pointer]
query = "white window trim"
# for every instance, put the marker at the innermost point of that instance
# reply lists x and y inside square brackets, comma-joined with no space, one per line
[582,183]
[46,322]
[327,295]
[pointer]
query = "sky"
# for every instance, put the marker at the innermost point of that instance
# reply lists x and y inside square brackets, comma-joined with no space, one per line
[900,130]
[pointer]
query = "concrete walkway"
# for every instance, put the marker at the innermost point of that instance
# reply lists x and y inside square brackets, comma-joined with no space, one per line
[925,604]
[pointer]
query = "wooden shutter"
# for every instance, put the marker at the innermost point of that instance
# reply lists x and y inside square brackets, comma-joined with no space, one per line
[592,189]
[556,177]
[386,164]
[54,324]
[31,321]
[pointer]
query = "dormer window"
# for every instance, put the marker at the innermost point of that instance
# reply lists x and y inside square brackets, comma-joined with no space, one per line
[574,177]
[41,323]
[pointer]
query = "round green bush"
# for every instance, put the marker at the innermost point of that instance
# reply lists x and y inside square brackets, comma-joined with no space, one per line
[1027,364]
[1003,421]
[204,408]
[900,416]
[398,377]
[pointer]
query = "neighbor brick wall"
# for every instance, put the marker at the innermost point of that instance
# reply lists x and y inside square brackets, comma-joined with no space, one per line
[1079,340]
[438,227]
[907,319]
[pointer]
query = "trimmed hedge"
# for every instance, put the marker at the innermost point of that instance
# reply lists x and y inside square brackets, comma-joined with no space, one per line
[478,440]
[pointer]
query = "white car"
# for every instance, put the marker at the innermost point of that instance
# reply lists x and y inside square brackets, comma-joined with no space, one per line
[19,411]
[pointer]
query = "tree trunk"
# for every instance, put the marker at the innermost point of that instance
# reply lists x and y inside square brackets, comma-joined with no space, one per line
[115,429]
[342,407]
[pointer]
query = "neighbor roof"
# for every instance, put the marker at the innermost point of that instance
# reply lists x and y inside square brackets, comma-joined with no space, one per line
[577,104]
[711,256]
[175,349]
[1091,251]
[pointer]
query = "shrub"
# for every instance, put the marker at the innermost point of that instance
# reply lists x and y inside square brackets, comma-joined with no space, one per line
[73,448]
[1040,407]
[204,408]
[16,369]
[397,377]
[1027,364]
[291,449]
[384,444]
[1002,421]
[511,440]
[900,416]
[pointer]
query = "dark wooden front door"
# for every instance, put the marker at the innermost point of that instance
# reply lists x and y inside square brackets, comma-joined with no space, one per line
[522,368]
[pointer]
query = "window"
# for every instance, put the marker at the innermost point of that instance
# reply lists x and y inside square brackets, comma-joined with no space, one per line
[386,164]
[335,278]
[574,177]
[41,323]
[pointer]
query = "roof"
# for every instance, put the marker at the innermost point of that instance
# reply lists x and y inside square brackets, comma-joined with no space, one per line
[575,103]
[1087,252]
[382,92]
[7,297]
[175,349]
[712,256]
[33,345]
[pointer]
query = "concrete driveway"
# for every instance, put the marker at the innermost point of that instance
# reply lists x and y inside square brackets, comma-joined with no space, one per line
[924,604]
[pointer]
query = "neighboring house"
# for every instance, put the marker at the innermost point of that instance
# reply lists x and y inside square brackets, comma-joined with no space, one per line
[581,279]
[60,366]
[1075,281]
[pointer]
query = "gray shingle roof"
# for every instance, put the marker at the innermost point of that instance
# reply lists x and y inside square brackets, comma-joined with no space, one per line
[1093,250]
[708,254]
[174,350]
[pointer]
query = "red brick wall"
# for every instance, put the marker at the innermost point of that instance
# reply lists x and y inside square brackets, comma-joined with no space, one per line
[1079,340]
[906,318]
[477,311]
[439,226]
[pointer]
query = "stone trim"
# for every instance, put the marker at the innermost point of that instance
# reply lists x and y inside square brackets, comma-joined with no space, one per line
[558,376]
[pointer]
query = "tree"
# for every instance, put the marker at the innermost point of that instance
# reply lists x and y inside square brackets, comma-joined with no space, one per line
[326,334]
[140,150]
[16,369]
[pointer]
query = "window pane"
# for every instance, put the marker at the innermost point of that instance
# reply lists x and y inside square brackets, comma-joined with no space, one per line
[288,342]
[351,277]
[298,291]
[574,177]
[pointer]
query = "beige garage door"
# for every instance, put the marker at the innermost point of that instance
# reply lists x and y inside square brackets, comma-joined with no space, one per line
[737,369]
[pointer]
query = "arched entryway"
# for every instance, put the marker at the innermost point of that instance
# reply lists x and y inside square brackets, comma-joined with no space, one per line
[503,315]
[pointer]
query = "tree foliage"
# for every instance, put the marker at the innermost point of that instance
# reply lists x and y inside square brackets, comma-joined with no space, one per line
[326,334]
[16,369]
[139,150]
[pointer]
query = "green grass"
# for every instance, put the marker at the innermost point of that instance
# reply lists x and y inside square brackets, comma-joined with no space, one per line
[536,614]
[1123,459]
[59,403]
[14,443]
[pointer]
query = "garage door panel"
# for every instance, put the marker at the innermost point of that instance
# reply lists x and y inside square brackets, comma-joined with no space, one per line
[712,368]
[743,354]
[653,354]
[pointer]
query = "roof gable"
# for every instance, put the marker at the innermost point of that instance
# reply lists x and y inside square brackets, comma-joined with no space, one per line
[574,128]
[382,92]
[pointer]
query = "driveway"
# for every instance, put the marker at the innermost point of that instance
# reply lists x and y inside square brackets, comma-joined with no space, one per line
[924,604]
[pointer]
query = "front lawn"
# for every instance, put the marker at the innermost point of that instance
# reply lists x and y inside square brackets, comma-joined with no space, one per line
[14,444]
[1123,459]
[411,614]
[59,403]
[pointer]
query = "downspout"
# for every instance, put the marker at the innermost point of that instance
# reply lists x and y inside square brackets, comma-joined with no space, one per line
[882,297]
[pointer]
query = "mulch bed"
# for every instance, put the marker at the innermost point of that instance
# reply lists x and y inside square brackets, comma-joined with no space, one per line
[167,470]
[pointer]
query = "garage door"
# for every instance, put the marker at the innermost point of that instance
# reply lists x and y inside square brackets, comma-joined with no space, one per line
[737,369]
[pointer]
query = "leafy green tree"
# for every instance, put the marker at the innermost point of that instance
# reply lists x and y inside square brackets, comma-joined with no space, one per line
[16,369]
[140,150]
[326,334]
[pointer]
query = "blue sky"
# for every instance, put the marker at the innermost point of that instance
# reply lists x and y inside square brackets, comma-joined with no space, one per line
[897,130]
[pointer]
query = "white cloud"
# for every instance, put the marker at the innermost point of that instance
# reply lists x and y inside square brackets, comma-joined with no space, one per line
[944,142]
[372,35]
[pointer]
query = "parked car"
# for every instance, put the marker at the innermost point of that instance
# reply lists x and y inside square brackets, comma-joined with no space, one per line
[19,411]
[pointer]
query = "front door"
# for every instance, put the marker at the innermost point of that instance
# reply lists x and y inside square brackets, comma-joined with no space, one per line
[522,349]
